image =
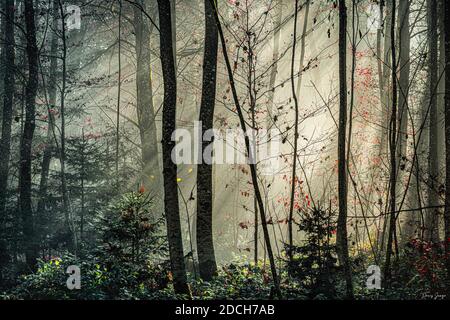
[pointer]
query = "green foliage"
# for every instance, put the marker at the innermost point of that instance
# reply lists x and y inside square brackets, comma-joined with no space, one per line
[129,231]
[235,282]
[129,262]
[314,261]
[420,271]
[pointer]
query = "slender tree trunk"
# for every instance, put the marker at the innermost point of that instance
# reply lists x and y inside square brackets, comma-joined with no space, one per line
[249,153]
[119,91]
[294,159]
[341,234]
[30,245]
[8,65]
[151,175]
[446,13]
[393,156]
[70,228]
[387,70]
[169,167]
[441,96]
[404,66]
[51,142]
[52,89]
[431,218]
[379,57]
[385,96]
[205,244]
[8,56]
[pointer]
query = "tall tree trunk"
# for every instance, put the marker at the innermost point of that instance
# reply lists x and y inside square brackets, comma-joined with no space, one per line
[393,156]
[404,66]
[446,13]
[385,97]
[8,56]
[441,96]
[403,84]
[151,175]
[341,234]
[70,228]
[205,245]
[119,91]
[8,63]
[294,159]
[386,83]
[431,218]
[30,245]
[250,154]
[52,89]
[169,167]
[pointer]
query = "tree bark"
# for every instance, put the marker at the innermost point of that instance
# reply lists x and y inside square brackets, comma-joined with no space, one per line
[30,245]
[446,13]
[386,83]
[404,67]
[52,89]
[169,167]
[341,234]
[8,56]
[8,63]
[294,159]
[205,245]
[403,84]
[431,218]
[151,174]
[393,156]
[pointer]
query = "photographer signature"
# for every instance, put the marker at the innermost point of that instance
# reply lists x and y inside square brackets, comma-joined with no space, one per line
[433,296]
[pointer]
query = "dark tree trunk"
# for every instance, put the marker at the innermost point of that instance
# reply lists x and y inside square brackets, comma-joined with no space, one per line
[404,70]
[151,174]
[8,101]
[8,61]
[386,89]
[446,13]
[431,219]
[294,159]
[169,167]
[341,234]
[393,158]
[205,245]
[404,67]
[30,245]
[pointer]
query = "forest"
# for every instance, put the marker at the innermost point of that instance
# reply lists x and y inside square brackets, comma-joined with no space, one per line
[224,149]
